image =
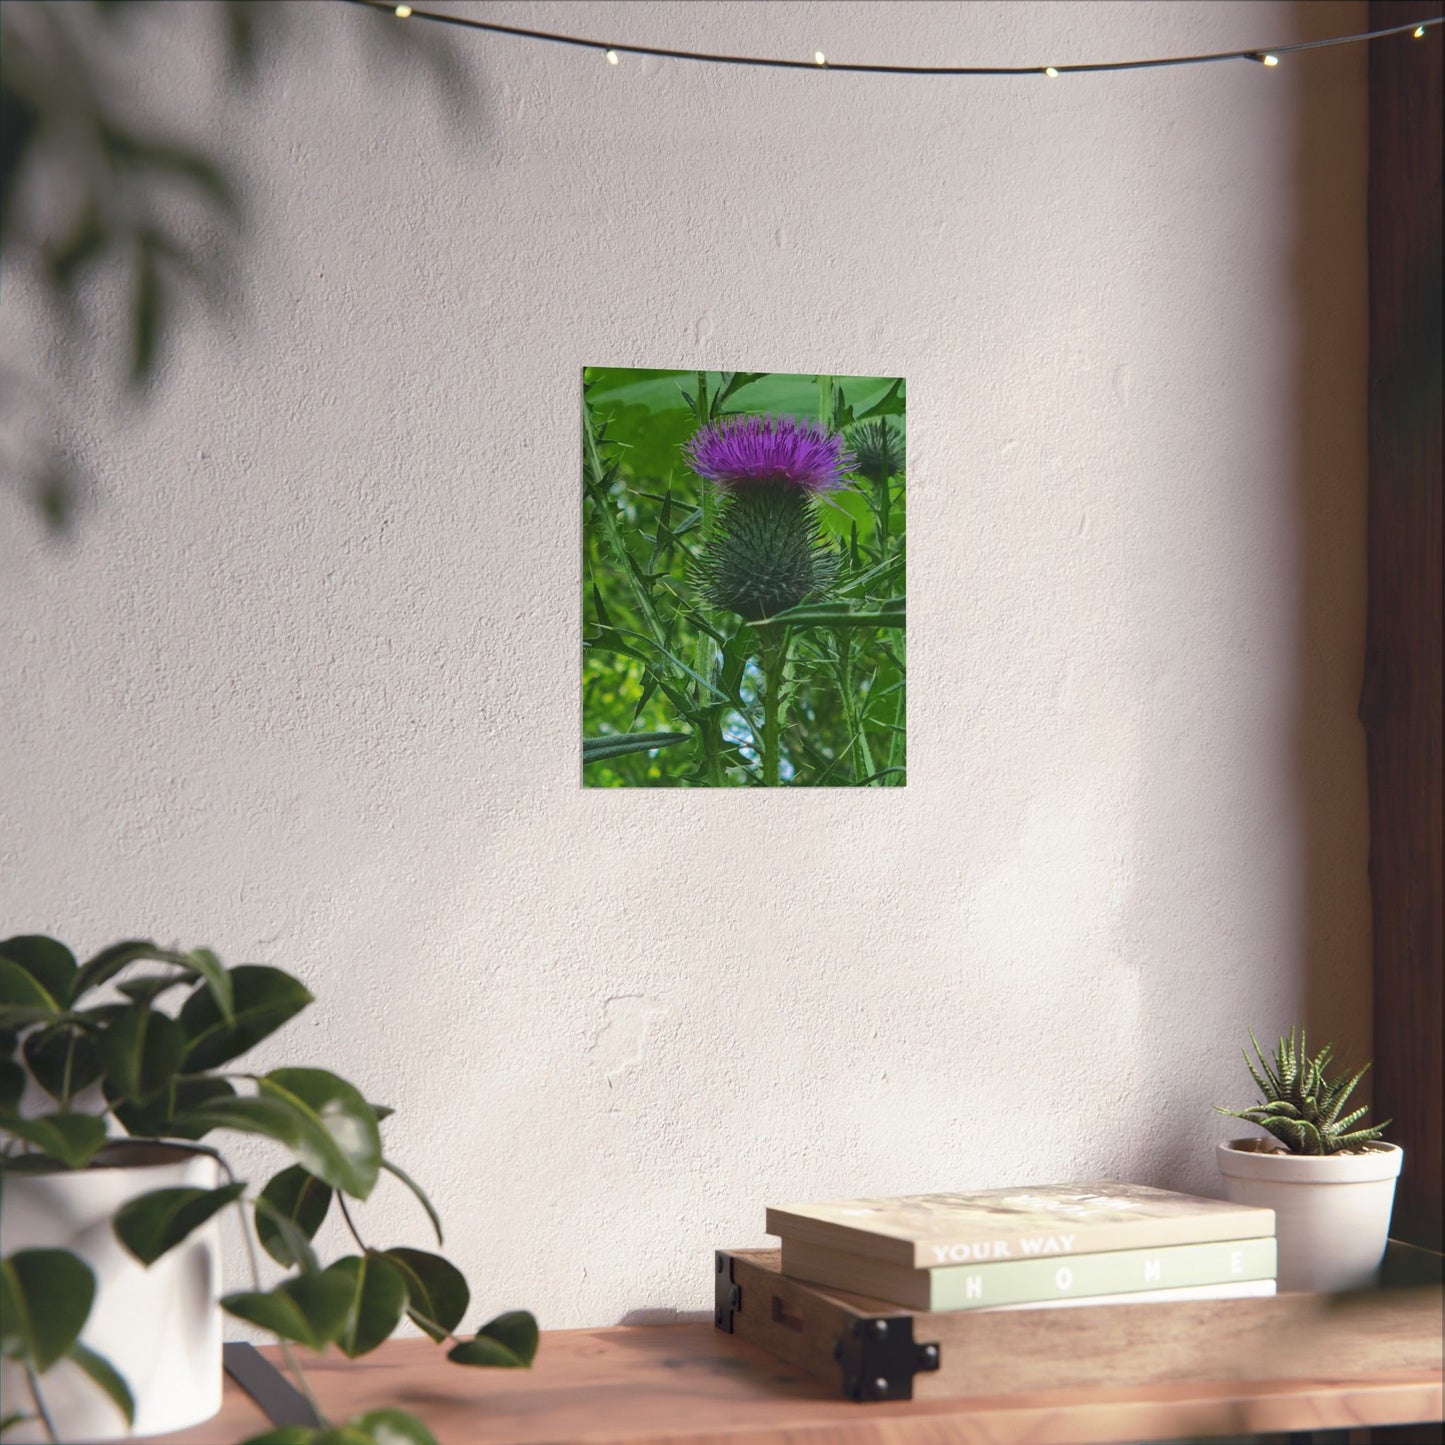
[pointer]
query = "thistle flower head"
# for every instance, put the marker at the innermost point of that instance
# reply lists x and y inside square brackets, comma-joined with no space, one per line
[879,448]
[746,451]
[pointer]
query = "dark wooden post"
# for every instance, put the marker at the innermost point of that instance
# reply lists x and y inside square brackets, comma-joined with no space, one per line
[1400,702]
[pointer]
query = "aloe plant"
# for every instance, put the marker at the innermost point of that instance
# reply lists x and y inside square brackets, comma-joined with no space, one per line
[1302,1108]
[172,1075]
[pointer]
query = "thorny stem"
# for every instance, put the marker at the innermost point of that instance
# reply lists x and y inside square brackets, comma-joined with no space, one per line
[607,513]
[772,656]
[39,1403]
[850,702]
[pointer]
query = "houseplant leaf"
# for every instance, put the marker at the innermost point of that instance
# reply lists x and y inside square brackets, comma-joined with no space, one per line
[377,1297]
[205,963]
[268,1117]
[200,963]
[507,1342]
[51,964]
[104,1374]
[288,1236]
[309,1309]
[109,962]
[45,1299]
[148,989]
[437,1294]
[280,1115]
[141,1051]
[151,1224]
[64,1060]
[12,1085]
[393,1427]
[341,1137]
[23,998]
[264,999]
[71,1138]
[164,1115]
[298,1196]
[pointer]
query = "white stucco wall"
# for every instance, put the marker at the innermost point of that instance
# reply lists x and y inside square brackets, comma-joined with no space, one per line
[304,684]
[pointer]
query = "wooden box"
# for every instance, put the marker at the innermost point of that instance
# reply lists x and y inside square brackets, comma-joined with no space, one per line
[872,1350]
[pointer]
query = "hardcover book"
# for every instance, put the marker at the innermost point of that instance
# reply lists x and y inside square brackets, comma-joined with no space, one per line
[924,1231]
[1249,1289]
[1035,1281]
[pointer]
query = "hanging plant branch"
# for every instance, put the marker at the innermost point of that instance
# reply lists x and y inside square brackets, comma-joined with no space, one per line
[158,1073]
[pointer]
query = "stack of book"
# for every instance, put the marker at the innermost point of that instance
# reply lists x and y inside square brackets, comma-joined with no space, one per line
[1076,1244]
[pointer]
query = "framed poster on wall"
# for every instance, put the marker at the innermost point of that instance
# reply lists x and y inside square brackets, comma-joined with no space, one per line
[743,561]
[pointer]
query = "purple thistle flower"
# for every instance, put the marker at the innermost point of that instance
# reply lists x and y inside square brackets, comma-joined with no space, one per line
[747,451]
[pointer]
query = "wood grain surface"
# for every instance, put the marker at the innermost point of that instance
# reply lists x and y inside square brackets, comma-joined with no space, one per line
[1119,1347]
[655,1385]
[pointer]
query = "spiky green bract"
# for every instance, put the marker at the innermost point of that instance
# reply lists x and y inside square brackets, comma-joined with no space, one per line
[765,553]
[878,450]
[1301,1107]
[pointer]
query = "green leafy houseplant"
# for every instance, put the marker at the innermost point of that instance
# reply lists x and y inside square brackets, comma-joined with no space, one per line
[1301,1107]
[172,1075]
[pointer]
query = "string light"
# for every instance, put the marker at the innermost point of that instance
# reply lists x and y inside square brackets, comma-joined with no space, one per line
[612,57]
[1263,57]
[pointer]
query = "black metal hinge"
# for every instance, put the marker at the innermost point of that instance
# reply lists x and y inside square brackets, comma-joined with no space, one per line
[880,1358]
[727,1296]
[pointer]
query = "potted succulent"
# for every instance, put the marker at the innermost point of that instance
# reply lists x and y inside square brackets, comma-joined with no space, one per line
[1331,1185]
[111,1189]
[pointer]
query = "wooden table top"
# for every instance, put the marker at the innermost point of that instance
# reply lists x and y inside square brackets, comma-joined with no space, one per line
[691,1384]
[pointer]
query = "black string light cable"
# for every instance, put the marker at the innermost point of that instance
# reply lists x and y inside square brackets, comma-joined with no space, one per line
[613,50]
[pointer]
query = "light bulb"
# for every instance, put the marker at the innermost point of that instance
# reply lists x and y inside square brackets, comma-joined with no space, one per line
[612,57]
[819,58]
[1051,72]
[1271,60]
[402,11]
[1419,32]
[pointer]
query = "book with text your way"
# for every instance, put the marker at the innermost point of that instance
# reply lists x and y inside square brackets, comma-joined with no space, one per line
[924,1231]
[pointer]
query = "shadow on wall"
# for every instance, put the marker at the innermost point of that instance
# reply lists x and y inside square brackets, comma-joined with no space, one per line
[1317,771]
[91,193]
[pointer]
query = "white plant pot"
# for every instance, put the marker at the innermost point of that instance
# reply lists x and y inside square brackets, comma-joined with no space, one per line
[160,1327]
[1331,1211]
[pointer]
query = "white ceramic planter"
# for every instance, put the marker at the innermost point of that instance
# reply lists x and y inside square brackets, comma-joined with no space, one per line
[160,1327]
[1331,1212]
